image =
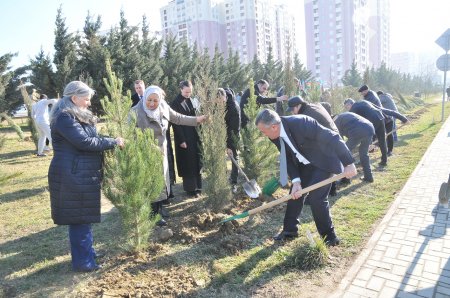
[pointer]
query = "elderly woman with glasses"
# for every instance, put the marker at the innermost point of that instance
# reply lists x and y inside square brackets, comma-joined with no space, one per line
[153,112]
[75,171]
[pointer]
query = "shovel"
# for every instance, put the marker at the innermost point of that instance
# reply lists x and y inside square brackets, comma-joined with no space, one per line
[283,199]
[250,187]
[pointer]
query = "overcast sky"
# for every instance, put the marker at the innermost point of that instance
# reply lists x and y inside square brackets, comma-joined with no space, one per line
[28,25]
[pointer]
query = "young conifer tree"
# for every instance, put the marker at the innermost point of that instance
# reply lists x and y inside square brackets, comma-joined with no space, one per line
[258,154]
[213,135]
[134,174]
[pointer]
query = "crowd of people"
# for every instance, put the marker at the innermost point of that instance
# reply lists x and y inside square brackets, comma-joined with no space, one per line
[310,141]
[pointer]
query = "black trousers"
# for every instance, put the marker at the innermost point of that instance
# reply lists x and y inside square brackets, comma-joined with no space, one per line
[318,202]
[234,169]
[390,138]
[380,132]
[192,183]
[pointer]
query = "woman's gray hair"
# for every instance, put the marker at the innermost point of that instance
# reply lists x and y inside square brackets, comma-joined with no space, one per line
[267,118]
[66,105]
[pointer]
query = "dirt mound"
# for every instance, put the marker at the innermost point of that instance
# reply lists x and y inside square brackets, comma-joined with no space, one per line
[207,221]
[235,243]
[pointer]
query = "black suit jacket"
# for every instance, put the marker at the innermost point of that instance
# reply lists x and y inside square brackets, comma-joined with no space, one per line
[322,147]
[135,98]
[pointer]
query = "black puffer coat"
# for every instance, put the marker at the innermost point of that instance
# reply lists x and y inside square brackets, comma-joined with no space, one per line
[75,172]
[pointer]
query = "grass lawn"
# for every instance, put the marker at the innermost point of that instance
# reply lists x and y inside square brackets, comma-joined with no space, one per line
[200,262]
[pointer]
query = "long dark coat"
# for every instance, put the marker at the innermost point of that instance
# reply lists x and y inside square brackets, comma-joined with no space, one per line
[75,172]
[189,160]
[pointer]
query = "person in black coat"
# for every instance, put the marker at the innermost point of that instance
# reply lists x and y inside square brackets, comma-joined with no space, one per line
[359,131]
[261,88]
[376,116]
[369,95]
[139,87]
[187,143]
[75,172]
[312,153]
[233,123]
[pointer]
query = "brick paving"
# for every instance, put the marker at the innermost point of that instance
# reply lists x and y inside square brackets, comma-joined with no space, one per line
[408,255]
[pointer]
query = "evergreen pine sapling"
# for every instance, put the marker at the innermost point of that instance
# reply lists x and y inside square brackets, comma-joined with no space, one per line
[213,136]
[133,175]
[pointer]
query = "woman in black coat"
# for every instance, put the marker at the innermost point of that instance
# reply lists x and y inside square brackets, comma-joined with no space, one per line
[187,143]
[75,171]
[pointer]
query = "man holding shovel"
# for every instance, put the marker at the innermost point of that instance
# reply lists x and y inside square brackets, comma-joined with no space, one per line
[309,153]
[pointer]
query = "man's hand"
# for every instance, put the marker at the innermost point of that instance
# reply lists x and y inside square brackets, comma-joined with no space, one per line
[183,145]
[120,142]
[350,171]
[229,152]
[295,191]
[202,118]
[282,98]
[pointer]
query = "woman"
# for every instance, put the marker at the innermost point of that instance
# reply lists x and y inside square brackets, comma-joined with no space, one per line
[233,123]
[75,171]
[187,143]
[154,113]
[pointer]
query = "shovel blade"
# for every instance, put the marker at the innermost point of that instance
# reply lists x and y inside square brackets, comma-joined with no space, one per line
[252,189]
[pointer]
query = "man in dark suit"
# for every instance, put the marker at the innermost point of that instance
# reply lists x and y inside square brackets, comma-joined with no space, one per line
[369,95]
[139,87]
[311,153]
[261,88]
[359,131]
[376,115]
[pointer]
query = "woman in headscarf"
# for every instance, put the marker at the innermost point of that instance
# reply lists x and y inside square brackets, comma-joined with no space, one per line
[75,172]
[153,112]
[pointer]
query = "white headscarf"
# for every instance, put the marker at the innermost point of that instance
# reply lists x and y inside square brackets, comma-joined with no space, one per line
[156,113]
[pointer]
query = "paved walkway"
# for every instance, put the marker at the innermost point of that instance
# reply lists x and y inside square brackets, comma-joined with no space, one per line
[409,254]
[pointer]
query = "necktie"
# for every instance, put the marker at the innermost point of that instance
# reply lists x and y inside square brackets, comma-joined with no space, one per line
[140,96]
[283,164]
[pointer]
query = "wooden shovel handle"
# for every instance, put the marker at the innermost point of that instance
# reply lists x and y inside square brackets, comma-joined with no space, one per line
[238,167]
[303,191]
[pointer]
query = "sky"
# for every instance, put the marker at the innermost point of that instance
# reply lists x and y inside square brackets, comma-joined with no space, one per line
[26,26]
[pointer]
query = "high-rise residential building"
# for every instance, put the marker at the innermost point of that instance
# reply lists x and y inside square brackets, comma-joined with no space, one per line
[248,27]
[339,32]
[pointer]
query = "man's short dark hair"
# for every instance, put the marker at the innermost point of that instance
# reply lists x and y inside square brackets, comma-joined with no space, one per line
[262,82]
[185,84]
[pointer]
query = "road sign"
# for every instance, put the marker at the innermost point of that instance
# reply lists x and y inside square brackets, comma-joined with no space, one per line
[443,62]
[444,40]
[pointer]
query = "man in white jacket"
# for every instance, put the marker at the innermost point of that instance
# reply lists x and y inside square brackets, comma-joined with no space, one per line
[39,112]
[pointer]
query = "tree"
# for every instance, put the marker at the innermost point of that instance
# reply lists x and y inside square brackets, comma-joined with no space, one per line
[272,71]
[352,77]
[236,72]
[65,52]
[213,136]
[300,71]
[257,153]
[42,75]
[133,175]
[150,51]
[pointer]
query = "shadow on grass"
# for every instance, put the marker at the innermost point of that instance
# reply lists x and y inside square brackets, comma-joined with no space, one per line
[21,194]
[16,154]
[39,264]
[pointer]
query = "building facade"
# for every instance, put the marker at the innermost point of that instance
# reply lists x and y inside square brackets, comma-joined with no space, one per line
[339,32]
[248,27]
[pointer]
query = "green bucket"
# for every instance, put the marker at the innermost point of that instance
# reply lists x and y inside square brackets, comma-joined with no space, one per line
[270,186]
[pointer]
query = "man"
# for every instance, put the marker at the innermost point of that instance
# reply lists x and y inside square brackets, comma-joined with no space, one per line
[359,131]
[369,95]
[261,88]
[139,87]
[376,116]
[309,153]
[40,115]
[387,102]
[233,123]
[296,105]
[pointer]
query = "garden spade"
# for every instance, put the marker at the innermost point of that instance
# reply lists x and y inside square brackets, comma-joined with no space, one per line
[250,187]
[283,199]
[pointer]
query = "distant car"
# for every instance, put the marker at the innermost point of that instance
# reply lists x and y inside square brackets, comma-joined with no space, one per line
[20,111]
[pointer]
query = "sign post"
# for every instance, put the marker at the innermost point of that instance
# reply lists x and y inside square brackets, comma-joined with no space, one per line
[443,62]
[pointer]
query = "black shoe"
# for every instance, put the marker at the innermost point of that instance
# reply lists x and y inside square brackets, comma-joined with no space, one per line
[164,212]
[166,201]
[344,181]
[382,164]
[283,236]
[389,153]
[363,179]
[171,196]
[192,194]
[333,242]
[161,223]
